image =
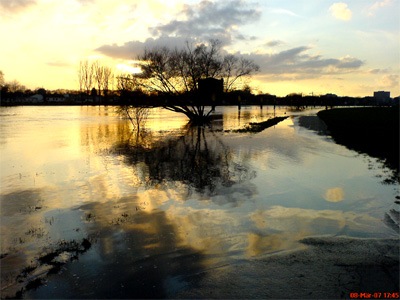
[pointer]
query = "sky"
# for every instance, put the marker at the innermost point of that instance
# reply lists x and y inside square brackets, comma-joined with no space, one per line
[349,48]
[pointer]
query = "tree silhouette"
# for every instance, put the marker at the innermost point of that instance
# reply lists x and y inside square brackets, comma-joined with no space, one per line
[91,74]
[176,73]
[1,79]
[85,76]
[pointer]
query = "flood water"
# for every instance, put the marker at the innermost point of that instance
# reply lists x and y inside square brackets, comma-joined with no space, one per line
[92,209]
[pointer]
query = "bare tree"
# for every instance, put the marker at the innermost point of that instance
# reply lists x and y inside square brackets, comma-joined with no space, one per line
[14,86]
[137,115]
[107,80]
[178,73]
[85,76]
[235,69]
[94,74]
[129,88]
[98,75]
[128,83]
[2,82]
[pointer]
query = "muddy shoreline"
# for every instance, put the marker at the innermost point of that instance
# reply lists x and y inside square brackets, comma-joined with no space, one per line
[329,268]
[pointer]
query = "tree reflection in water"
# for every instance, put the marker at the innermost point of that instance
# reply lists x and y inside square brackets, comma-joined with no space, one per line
[159,262]
[198,158]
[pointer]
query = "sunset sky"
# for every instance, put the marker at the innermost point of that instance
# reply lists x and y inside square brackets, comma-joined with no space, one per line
[304,46]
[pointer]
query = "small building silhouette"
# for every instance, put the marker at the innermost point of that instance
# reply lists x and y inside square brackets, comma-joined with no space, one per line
[382,98]
[211,90]
[37,98]
[382,95]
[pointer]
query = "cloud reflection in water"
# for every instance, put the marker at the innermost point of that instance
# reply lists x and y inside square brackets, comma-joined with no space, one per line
[334,194]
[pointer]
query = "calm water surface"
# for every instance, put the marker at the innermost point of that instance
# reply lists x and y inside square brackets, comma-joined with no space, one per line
[113,213]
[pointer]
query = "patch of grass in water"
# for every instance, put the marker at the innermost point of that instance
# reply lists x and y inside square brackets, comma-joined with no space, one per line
[32,277]
[260,126]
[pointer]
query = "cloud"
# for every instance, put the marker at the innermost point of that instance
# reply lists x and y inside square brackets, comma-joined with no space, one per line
[340,11]
[297,62]
[281,11]
[16,5]
[84,2]
[289,55]
[274,43]
[377,5]
[130,50]
[242,37]
[207,19]
[389,81]
[198,22]
[378,71]
[220,20]
[58,64]
[126,51]
[349,62]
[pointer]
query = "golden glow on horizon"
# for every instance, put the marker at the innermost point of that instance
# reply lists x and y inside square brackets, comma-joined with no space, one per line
[126,68]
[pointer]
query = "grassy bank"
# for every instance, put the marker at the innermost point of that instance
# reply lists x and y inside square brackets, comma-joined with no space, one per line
[369,118]
[370,130]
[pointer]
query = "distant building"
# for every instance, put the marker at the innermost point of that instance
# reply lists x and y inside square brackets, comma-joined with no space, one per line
[329,95]
[396,101]
[382,98]
[58,98]
[382,95]
[37,98]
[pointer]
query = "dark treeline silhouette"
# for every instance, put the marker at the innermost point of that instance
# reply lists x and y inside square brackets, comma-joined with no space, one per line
[139,98]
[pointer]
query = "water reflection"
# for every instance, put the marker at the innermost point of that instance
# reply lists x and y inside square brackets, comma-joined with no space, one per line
[162,205]
[334,194]
[383,147]
[313,123]
[197,158]
[139,256]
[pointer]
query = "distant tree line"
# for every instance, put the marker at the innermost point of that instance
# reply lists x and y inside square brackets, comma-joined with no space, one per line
[140,99]
[154,87]
[92,75]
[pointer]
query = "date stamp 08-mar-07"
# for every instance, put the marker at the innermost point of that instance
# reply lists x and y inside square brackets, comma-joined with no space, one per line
[375,295]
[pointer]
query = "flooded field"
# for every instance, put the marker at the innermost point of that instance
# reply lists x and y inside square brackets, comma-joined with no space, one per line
[92,209]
